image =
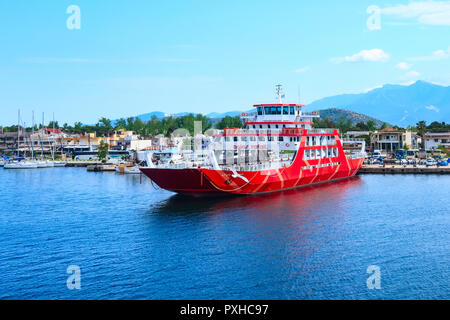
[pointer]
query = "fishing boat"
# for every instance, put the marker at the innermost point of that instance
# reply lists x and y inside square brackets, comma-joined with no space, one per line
[277,150]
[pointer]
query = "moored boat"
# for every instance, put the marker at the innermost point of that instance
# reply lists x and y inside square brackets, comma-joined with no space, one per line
[277,150]
[20,165]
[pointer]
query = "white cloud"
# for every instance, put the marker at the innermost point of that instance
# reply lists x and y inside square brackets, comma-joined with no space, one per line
[436,55]
[374,55]
[413,74]
[373,88]
[63,60]
[408,83]
[403,66]
[176,60]
[426,12]
[432,108]
[302,70]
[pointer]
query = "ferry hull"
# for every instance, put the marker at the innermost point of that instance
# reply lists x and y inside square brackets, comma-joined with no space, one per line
[207,181]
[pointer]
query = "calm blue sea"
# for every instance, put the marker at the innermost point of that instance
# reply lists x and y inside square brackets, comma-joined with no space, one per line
[133,242]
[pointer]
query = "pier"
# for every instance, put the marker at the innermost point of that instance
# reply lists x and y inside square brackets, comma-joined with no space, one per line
[398,169]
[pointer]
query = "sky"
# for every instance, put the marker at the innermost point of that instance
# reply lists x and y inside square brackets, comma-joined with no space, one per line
[87,59]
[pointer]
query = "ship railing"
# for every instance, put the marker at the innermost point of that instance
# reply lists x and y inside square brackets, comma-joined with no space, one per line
[270,165]
[357,155]
[232,132]
[311,114]
[349,140]
[320,131]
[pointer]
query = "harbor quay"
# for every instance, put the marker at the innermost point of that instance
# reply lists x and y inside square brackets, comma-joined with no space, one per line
[398,169]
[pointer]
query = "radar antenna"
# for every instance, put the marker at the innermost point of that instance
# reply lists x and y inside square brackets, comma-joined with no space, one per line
[279,91]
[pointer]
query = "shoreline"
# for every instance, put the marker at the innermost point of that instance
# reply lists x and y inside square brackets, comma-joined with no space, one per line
[398,169]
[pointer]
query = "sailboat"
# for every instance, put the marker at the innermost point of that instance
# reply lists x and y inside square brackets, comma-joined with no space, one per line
[20,164]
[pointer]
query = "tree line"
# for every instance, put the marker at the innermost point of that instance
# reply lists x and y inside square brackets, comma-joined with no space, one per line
[147,129]
[166,126]
[346,125]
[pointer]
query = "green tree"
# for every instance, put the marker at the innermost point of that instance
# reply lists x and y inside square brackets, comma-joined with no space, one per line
[230,122]
[421,129]
[121,124]
[78,127]
[51,123]
[371,125]
[102,151]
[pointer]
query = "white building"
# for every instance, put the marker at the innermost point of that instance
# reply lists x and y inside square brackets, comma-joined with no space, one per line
[434,140]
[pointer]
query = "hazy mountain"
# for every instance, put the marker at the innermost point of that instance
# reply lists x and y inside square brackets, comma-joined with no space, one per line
[354,117]
[215,115]
[395,104]
[161,115]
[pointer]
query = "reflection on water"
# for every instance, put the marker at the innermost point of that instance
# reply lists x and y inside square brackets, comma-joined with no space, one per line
[292,201]
[134,242]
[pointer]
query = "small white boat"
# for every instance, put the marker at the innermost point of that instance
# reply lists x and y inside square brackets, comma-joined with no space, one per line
[45,164]
[59,163]
[131,170]
[2,163]
[21,165]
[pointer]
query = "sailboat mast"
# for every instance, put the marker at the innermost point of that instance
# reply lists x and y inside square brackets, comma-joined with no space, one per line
[53,143]
[18,131]
[32,135]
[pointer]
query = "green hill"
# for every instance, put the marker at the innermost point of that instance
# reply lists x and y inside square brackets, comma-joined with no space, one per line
[335,115]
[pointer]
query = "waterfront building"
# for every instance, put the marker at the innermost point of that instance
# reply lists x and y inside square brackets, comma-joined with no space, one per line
[434,140]
[356,134]
[10,142]
[389,139]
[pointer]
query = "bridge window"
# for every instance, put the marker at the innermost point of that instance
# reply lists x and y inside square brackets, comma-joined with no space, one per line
[285,110]
[292,110]
[260,111]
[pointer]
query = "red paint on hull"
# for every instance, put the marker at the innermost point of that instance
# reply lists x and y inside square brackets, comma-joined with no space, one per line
[300,173]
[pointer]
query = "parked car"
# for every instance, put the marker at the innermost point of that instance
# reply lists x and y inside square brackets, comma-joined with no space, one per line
[444,163]
[431,162]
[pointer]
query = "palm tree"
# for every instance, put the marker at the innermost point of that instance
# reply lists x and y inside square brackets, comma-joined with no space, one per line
[421,128]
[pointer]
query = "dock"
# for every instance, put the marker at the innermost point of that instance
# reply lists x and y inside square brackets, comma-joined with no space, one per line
[398,169]
[101,167]
[81,164]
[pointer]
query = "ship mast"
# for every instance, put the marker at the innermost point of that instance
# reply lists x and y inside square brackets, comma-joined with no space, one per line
[279,92]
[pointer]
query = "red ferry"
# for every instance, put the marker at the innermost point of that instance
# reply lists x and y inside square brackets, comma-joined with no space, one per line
[278,150]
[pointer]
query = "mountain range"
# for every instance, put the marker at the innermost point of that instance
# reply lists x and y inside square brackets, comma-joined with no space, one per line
[400,105]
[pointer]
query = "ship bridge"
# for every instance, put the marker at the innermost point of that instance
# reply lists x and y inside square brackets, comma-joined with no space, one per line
[277,116]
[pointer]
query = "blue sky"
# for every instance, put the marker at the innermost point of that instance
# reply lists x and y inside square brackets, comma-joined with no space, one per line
[133,57]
